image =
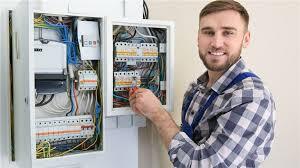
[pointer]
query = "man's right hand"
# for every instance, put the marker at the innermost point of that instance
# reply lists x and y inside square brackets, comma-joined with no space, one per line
[144,102]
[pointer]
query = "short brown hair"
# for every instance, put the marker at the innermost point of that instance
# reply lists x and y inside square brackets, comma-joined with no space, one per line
[222,5]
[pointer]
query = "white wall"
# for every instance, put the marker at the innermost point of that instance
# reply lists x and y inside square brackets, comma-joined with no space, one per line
[273,54]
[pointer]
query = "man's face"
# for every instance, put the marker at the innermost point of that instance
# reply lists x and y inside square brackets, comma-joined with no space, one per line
[221,37]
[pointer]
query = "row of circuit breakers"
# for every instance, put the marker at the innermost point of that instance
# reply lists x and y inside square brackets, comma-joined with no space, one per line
[67,69]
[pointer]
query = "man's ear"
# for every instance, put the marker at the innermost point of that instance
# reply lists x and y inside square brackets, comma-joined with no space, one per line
[246,40]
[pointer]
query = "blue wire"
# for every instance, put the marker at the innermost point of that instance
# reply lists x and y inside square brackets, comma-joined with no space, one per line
[98,112]
[71,46]
[119,97]
[71,88]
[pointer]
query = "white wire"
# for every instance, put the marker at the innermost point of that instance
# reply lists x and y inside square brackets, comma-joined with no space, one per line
[143,35]
[54,107]
[54,111]
[80,103]
[116,30]
[38,99]
[87,102]
[91,103]
[59,107]
[148,30]
[90,62]
[56,104]
[50,110]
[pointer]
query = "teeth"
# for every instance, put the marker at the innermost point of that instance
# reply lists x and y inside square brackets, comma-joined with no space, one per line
[217,53]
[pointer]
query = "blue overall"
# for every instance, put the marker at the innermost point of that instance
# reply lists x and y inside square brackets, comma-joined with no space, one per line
[189,129]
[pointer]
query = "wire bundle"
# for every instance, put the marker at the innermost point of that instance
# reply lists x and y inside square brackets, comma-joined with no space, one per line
[63,30]
[146,10]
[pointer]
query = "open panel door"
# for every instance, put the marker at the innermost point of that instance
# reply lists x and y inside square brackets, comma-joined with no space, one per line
[23,85]
[5,90]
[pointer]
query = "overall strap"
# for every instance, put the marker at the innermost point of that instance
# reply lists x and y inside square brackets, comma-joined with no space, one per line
[239,78]
[186,103]
[214,95]
[201,111]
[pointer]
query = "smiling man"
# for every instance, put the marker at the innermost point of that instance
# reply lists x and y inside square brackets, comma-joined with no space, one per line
[227,114]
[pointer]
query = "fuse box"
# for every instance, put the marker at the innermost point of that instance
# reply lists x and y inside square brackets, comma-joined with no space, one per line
[141,55]
[60,115]
[62,72]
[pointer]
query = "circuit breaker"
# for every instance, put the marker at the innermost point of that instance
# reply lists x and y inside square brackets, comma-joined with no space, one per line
[140,55]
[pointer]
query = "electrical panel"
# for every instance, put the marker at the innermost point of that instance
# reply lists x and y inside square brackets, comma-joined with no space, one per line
[77,71]
[63,75]
[69,118]
[140,56]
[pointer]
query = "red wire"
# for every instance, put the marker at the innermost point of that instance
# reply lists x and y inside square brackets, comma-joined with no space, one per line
[75,99]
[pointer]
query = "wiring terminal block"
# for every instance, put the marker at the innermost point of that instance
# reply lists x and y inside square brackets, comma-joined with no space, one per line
[64,128]
[87,80]
[135,52]
[124,80]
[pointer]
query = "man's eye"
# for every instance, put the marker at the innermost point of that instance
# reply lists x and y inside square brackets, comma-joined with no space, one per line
[210,33]
[227,33]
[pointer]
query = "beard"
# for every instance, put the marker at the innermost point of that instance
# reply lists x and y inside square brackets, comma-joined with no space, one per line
[212,64]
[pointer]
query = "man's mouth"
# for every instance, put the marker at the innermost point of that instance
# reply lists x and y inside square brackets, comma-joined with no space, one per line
[216,53]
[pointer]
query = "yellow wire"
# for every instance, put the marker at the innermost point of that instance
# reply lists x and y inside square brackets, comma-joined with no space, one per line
[90,65]
[41,149]
[154,76]
[39,20]
[91,144]
[70,150]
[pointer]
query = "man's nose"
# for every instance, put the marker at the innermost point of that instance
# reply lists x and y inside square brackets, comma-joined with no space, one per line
[217,41]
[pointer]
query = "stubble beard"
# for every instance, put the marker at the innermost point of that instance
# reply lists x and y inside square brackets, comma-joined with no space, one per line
[231,59]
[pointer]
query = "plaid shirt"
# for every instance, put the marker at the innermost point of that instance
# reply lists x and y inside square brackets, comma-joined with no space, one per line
[235,131]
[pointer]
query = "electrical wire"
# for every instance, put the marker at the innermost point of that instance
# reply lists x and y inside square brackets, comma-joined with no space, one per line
[42,101]
[46,102]
[143,35]
[52,23]
[70,150]
[120,97]
[126,38]
[70,97]
[75,96]
[57,105]
[91,144]
[146,10]
[80,103]
[91,103]
[87,102]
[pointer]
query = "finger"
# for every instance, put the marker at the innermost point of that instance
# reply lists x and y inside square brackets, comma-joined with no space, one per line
[132,97]
[130,92]
[138,95]
[138,108]
[140,90]
[132,105]
[132,101]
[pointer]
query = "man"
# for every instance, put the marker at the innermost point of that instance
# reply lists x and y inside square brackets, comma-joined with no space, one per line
[227,116]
